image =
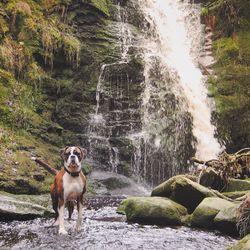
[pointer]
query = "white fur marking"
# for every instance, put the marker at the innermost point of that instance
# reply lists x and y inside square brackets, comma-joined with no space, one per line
[72,185]
[61,220]
[79,218]
[68,161]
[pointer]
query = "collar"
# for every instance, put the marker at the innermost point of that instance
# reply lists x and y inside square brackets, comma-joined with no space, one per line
[73,174]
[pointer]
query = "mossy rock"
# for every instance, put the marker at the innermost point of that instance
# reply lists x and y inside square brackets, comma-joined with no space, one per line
[205,213]
[243,244]
[101,5]
[15,207]
[236,194]
[184,191]
[238,185]
[226,220]
[152,210]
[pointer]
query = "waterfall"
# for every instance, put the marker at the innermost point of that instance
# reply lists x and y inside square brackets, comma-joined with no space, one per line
[152,116]
[175,38]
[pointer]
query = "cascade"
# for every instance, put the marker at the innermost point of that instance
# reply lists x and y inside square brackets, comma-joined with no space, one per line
[152,118]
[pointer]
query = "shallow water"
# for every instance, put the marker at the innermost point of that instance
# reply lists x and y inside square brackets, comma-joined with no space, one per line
[103,228]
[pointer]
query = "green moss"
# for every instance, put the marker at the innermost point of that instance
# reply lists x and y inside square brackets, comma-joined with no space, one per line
[243,244]
[226,50]
[102,5]
[204,12]
[152,210]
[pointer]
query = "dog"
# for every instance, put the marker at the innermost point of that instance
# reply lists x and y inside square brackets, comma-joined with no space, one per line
[69,185]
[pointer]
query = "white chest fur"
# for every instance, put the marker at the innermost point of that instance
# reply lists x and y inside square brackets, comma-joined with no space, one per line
[72,186]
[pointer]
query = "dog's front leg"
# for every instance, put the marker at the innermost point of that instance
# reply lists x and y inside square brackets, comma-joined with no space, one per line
[79,209]
[61,219]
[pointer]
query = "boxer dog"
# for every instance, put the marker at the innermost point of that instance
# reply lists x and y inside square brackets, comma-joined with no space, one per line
[69,185]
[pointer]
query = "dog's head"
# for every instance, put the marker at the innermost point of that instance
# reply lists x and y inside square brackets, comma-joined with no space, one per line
[72,157]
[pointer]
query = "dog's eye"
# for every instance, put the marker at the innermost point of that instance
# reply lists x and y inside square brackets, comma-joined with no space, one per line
[77,153]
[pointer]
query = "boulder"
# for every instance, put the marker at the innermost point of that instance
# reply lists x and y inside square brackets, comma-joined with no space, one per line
[236,194]
[185,192]
[238,185]
[116,184]
[205,213]
[243,244]
[225,220]
[23,207]
[152,210]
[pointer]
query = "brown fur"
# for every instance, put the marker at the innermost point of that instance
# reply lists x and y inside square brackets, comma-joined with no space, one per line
[57,194]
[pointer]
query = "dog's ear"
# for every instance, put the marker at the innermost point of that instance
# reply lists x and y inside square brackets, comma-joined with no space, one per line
[62,152]
[84,152]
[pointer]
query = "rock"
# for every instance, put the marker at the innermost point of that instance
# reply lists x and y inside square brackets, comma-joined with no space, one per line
[226,220]
[209,177]
[236,194]
[152,210]
[243,244]
[116,184]
[184,191]
[238,185]
[23,207]
[204,214]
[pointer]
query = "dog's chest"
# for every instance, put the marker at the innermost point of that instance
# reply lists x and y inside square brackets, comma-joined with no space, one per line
[72,186]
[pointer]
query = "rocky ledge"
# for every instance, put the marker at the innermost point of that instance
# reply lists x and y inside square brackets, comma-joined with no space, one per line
[24,207]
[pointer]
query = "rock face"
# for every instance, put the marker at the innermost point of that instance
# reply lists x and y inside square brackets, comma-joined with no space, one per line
[205,213]
[23,207]
[184,191]
[153,210]
[243,244]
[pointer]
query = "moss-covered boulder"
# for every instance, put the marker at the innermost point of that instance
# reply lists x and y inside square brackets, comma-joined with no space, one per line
[236,194]
[243,244]
[226,220]
[238,185]
[205,213]
[184,191]
[152,210]
[24,207]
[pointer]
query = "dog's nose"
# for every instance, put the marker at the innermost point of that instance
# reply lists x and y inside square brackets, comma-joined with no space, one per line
[73,157]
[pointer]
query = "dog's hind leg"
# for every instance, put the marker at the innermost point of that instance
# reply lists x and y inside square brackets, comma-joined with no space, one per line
[70,206]
[79,209]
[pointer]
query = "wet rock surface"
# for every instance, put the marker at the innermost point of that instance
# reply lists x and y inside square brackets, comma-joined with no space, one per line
[103,228]
[23,207]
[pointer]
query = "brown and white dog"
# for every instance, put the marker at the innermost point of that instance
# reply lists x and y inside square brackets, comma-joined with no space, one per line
[69,185]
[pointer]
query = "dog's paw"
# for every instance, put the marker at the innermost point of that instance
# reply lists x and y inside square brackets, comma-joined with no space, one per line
[62,231]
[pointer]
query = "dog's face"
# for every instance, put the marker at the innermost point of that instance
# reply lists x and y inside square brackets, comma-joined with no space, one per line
[72,157]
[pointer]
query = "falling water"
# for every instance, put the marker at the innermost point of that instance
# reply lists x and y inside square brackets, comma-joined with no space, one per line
[152,117]
[175,38]
[100,130]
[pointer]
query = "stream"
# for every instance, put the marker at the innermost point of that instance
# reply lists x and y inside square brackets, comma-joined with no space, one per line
[103,228]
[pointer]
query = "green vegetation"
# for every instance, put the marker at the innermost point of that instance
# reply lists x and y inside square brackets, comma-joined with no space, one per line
[230,87]
[45,99]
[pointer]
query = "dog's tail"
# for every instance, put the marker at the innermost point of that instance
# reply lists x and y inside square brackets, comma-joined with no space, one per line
[45,165]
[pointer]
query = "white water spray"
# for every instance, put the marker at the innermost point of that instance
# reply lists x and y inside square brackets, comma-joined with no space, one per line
[176,39]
